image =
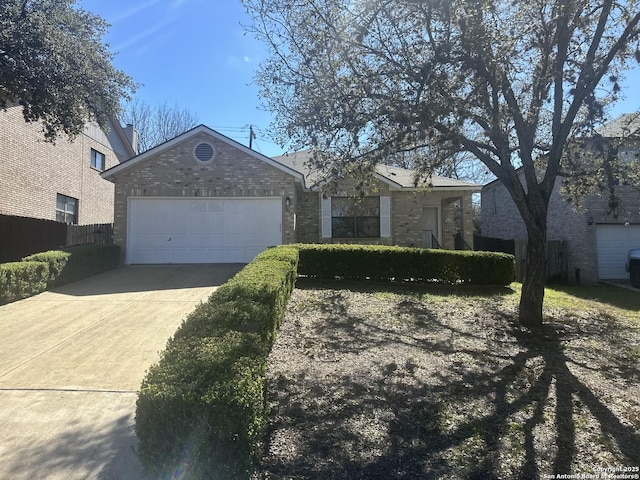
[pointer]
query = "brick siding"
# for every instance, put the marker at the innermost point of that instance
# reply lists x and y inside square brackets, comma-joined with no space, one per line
[33,172]
[407,219]
[175,172]
[501,219]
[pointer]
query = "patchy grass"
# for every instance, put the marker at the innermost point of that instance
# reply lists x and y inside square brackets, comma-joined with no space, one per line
[384,382]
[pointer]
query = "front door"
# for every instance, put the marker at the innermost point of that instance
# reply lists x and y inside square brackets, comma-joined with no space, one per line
[430,234]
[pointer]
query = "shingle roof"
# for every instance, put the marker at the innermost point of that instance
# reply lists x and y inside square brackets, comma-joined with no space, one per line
[623,126]
[399,177]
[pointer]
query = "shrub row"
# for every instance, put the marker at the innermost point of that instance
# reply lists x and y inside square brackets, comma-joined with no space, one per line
[40,271]
[404,263]
[22,279]
[71,264]
[201,409]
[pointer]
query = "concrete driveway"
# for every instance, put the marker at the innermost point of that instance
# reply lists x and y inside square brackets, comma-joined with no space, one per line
[72,360]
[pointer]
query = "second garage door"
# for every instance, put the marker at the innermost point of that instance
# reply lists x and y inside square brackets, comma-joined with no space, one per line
[201,230]
[614,241]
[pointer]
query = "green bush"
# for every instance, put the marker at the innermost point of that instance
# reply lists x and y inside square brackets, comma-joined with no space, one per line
[75,263]
[22,279]
[404,263]
[201,409]
[55,259]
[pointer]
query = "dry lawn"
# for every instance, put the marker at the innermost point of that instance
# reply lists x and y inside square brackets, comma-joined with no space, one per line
[384,382]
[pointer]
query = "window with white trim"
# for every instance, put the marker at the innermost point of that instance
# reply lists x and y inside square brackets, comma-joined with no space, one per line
[355,217]
[97,160]
[66,209]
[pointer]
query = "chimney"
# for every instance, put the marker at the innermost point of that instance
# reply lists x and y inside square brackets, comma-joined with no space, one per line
[132,135]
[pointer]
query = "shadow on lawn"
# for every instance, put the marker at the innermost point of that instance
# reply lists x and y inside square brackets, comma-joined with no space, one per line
[607,294]
[459,419]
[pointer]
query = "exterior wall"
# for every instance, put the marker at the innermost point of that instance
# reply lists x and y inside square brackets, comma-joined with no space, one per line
[176,173]
[33,172]
[308,217]
[407,221]
[501,219]
[347,189]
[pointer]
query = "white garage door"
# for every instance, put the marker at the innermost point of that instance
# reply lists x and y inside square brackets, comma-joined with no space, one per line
[201,230]
[614,241]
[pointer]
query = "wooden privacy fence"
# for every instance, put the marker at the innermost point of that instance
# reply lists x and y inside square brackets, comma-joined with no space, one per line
[557,255]
[557,260]
[99,233]
[22,236]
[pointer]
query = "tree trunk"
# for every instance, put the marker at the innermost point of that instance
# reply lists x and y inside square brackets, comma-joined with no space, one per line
[535,276]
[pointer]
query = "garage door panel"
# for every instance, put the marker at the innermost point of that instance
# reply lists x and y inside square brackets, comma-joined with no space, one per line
[613,243]
[201,230]
[234,224]
[259,225]
[215,206]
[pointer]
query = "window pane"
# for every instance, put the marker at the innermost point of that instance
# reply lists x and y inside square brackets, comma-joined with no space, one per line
[368,226]
[368,207]
[59,216]
[97,159]
[342,207]
[60,201]
[343,227]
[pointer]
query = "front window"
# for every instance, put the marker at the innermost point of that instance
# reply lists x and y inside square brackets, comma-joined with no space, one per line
[66,209]
[355,217]
[97,160]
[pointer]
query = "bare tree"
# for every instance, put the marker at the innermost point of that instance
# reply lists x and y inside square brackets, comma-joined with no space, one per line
[157,124]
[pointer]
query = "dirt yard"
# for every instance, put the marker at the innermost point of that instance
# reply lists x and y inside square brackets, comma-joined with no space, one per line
[389,383]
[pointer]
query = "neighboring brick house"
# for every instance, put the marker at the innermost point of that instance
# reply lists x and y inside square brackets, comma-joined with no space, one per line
[598,234]
[204,198]
[59,181]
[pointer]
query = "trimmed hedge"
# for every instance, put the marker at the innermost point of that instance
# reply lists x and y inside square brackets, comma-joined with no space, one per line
[55,259]
[355,262]
[37,272]
[19,280]
[201,409]
[71,264]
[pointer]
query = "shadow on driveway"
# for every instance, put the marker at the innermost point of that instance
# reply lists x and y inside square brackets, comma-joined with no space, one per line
[147,278]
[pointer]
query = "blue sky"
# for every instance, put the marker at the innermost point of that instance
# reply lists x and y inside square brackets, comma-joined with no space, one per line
[193,53]
[196,54]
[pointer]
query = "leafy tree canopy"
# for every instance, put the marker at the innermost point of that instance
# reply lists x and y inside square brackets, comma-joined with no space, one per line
[54,64]
[511,82]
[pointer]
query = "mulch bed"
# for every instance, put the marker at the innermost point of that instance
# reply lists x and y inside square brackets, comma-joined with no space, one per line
[371,382]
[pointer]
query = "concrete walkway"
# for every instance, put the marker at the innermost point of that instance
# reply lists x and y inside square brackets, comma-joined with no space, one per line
[71,361]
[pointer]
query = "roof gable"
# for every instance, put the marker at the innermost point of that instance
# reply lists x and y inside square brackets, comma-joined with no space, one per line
[137,160]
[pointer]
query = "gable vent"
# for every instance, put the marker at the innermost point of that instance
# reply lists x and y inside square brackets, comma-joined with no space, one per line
[204,152]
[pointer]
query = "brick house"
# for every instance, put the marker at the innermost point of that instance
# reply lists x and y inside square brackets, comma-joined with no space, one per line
[204,198]
[59,181]
[598,234]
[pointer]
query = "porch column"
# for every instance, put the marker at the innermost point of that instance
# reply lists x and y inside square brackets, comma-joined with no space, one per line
[448,223]
[467,219]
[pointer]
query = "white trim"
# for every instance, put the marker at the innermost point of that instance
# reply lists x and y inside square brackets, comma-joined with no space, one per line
[385,217]
[325,218]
